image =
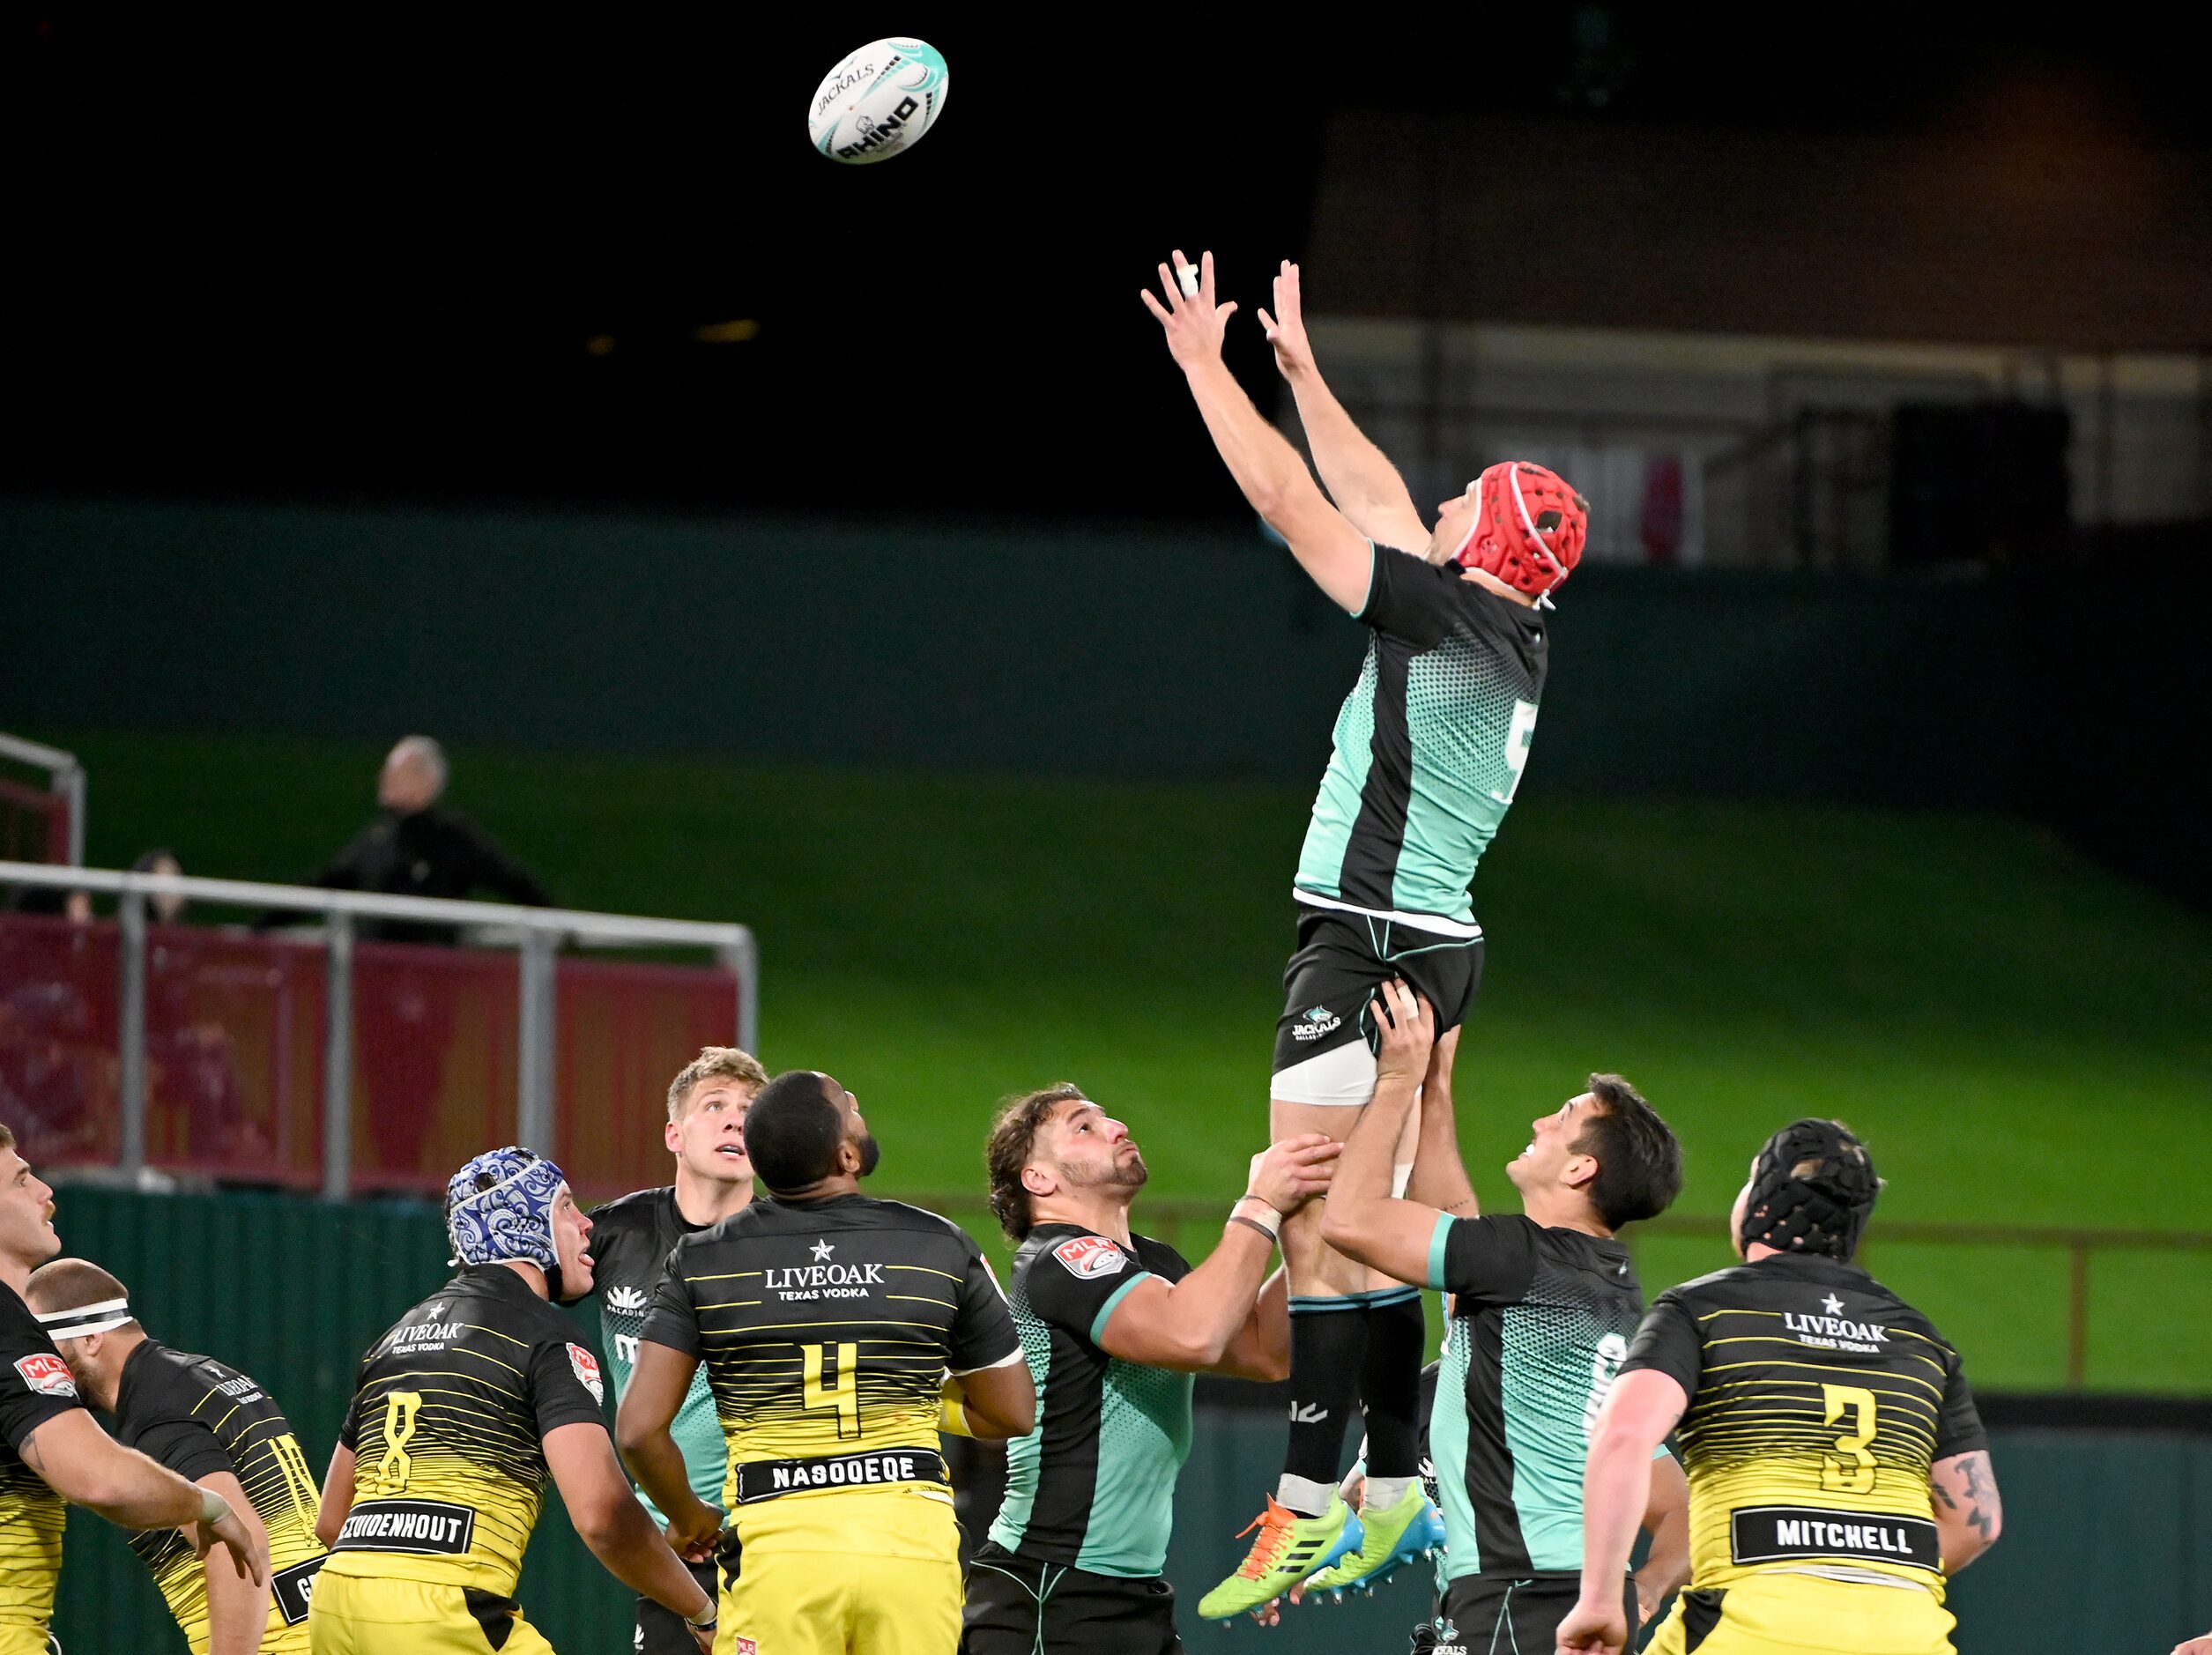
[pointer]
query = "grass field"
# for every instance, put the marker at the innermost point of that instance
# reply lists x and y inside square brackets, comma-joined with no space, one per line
[2023,1039]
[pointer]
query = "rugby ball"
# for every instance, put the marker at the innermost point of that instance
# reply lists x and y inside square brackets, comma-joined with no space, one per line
[879,101]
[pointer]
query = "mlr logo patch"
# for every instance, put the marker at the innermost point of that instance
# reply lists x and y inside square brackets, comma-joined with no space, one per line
[747,1646]
[1088,1257]
[587,1367]
[48,1375]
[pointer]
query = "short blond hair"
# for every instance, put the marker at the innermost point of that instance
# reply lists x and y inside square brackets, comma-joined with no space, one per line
[7,1137]
[714,1063]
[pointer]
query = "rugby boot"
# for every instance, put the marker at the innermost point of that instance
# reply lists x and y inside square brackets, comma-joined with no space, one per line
[1409,1531]
[1288,1549]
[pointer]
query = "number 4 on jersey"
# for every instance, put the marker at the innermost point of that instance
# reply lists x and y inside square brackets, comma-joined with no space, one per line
[844,1396]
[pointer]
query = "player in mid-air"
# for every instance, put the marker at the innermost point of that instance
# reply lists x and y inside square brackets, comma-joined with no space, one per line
[1428,749]
[1838,1472]
[631,1239]
[210,1423]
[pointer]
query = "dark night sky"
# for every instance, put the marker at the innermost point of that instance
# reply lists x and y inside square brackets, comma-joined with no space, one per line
[361,257]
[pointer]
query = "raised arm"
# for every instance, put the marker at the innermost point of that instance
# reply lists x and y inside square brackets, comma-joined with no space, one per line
[1667,1520]
[1968,1513]
[1440,1175]
[1364,1220]
[1359,478]
[1274,479]
[1189,1325]
[1616,1492]
[1261,1349]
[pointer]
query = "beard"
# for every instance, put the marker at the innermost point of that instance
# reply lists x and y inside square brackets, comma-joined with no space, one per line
[871,1153]
[1112,1175]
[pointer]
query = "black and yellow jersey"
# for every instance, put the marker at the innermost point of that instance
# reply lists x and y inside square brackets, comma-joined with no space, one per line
[34,1386]
[448,1427]
[826,1328]
[1818,1402]
[198,1417]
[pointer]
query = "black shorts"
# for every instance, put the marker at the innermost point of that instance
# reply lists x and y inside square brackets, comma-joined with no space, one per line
[1016,1607]
[1343,958]
[1497,1612]
[662,1631]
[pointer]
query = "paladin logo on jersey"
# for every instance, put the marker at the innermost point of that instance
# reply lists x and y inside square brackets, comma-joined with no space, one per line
[625,1301]
[1314,1022]
[587,1367]
[48,1375]
[1090,1257]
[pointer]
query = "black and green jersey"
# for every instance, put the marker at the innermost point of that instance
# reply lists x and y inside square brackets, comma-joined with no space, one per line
[198,1416]
[1430,745]
[631,1239]
[1542,1322]
[1093,1487]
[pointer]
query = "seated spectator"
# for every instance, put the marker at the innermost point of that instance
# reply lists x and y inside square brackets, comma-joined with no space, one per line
[414,849]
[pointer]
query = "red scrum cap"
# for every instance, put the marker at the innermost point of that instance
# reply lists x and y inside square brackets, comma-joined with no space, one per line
[1529,527]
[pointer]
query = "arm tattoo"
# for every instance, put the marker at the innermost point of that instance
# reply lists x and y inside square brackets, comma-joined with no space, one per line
[28,1451]
[1944,1494]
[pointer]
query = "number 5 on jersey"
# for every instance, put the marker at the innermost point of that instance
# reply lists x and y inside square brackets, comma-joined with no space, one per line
[1851,1469]
[844,1396]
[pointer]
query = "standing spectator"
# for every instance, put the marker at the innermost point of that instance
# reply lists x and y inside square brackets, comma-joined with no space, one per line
[405,1009]
[414,849]
[165,909]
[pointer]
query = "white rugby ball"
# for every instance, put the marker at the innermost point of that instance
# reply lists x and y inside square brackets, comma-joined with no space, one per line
[879,101]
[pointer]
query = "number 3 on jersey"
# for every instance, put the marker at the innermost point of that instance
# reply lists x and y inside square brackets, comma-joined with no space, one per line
[1851,1469]
[844,1396]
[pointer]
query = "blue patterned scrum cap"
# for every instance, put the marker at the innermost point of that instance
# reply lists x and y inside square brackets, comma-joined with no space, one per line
[500,1205]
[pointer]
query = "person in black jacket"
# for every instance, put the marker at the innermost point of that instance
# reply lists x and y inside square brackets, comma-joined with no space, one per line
[414,849]
[406,1012]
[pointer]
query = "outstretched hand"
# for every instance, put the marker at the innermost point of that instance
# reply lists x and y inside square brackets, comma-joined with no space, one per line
[1406,1024]
[1194,322]
[1287,328]
[1289,1174]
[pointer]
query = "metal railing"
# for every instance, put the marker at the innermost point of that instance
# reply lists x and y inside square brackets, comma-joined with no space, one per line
[66,780]
[535,933]
[1186,1224]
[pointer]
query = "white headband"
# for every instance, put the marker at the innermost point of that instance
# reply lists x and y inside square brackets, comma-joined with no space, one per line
[87,1320]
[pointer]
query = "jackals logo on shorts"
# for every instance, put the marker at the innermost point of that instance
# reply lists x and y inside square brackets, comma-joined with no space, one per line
[1090,1257]
[1314,1022]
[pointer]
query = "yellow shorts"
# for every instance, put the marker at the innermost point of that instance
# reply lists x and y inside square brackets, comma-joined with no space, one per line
[351,1616]
[1784,1613]
[21,1638]
[824,1573]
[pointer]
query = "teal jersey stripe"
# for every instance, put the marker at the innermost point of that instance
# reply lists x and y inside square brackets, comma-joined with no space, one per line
[1436,1241]
[1106,1311]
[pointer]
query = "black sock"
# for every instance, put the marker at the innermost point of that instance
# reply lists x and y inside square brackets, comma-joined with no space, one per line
[1328,1345]
[1389,1384]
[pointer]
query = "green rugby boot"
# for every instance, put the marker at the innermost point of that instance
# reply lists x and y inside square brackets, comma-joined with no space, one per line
[1288,1549]
[1410,1530]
